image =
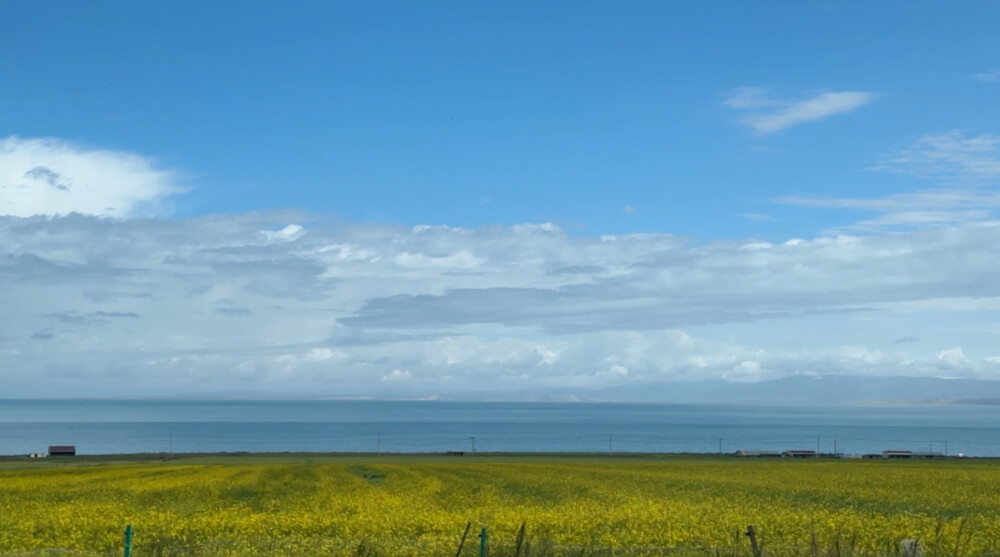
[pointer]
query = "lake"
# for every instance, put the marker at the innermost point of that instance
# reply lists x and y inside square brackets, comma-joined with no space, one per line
[189,426]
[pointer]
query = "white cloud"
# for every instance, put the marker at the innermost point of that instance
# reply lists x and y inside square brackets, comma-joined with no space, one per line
[966,167]
[53,177]
[289,233]
[917,219]
[991,76]
[462,259]
[756,217]
[951,156]
[323,355]
[953,357]
[765,114]
[751,97]
[212,304]
[909,210]
[926,199]
[747,369]
[398,375]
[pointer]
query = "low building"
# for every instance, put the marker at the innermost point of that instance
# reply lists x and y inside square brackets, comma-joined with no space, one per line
[897,454]
[62,450]
[927,454]
[799,454]
[759,453]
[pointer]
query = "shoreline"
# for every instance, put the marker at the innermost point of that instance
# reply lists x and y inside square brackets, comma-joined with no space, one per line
[304,457]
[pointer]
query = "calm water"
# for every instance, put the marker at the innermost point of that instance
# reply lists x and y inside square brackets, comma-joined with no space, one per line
[104,427]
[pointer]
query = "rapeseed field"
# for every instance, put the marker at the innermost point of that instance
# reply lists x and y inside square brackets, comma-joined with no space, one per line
[420,506]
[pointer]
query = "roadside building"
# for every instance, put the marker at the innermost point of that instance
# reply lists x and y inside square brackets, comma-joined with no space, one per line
[62,450]
[799,454]
[771,454]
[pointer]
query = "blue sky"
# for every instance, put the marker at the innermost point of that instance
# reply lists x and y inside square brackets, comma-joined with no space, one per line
[691,132]
[418,112]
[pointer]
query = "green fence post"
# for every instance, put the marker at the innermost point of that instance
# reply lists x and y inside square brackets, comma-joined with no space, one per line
[128,541]
[483,550]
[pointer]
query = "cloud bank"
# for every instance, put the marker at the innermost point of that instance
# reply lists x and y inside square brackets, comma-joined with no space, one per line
[289,302]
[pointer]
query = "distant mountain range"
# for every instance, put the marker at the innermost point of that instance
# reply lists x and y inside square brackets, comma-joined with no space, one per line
[809,390]
[789,391]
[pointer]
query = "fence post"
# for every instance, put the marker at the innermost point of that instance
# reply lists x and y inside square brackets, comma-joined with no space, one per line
[128,541]
[752,534]
[483,549]
[461,544]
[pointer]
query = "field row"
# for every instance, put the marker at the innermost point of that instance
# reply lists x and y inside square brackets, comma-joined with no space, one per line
[420,507]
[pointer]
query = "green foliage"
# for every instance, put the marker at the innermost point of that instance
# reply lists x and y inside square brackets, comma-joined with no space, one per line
[533,507]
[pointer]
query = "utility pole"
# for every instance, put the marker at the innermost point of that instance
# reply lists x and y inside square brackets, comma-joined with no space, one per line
[378,445]
[473,441]
[171,444]
[720,445]
[945,446]
[835,453]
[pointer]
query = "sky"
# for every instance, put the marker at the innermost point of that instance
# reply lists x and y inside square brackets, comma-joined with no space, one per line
[436,198]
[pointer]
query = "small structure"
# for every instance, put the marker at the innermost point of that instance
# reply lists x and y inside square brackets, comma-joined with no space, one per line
[927,454]
[799,454]
[758,453]
[897,454]
[36,455]
[62,450]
